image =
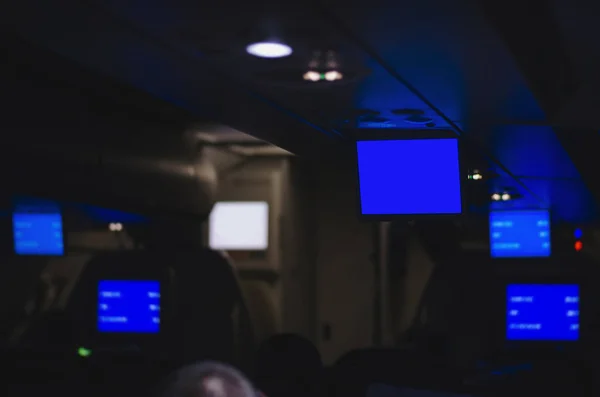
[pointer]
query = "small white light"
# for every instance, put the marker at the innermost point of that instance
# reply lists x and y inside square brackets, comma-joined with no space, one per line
[477,177]
[115,227]
[311,75]
[269,50]
[495,197]
[333,75]
[505,197]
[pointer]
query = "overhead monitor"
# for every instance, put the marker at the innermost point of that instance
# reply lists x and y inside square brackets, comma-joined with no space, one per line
[520,234]
[126,306]
[542,312]
[239,226]
[409,177]
[38,229]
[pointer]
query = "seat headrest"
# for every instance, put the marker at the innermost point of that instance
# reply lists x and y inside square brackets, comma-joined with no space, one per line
[286,354]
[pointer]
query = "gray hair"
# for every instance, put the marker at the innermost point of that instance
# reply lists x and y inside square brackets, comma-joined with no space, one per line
[209,379]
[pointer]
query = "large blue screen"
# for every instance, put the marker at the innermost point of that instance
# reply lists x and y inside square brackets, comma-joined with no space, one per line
[38,233]
[538,312]
[409,177]
[129,306]
[520,234]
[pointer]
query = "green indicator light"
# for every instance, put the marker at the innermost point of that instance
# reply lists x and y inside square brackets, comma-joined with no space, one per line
[83,352]
[322,76]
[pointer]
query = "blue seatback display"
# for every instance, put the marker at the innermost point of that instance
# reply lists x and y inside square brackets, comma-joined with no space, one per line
[38,231]
[520,234]
[128,306]
[409,177]
[542,312]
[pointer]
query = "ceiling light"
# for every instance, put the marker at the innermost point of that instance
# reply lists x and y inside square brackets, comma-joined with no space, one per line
[333,75]
[311,75]
[269,50]
[476,175]
[115,227]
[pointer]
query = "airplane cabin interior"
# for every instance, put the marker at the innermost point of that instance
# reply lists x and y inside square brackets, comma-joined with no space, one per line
[320,199]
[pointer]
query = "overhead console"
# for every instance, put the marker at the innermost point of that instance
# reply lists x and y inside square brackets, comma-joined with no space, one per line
[409,175]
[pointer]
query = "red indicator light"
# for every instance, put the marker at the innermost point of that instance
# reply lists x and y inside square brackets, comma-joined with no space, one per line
[578,245]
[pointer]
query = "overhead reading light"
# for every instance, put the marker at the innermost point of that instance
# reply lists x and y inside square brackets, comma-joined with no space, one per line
[115,227]
[269,49]
[501,196]
[475,175]
[324,65]
[333,75]
[315,76]
[311,75]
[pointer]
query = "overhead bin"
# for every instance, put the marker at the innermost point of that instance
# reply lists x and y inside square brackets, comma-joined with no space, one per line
[184,183]
[79,136]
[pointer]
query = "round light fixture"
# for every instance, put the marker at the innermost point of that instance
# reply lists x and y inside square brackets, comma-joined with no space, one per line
[269,49]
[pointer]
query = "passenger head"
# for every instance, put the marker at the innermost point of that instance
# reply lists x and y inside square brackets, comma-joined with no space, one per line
[288,364]
[209,379]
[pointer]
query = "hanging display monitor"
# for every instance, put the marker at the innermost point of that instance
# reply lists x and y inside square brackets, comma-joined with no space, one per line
[409,177]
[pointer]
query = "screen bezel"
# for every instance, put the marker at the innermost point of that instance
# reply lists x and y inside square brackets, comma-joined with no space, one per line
[540,342]
[512,259]
[59,211]
[127,335]
[397,135]
[269,227]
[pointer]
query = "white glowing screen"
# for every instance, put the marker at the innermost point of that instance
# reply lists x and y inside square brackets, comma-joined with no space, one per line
[239,225]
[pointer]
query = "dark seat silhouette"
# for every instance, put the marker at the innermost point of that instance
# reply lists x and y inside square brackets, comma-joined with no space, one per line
[356,371]
[211,321]
[82,310]
[453,306]
[289,365]
[211,316]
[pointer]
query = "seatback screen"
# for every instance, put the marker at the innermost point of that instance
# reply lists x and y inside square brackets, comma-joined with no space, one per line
[520,234]
[409,177]
[128,306]
[38,229]
[542,312]
[239,225]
